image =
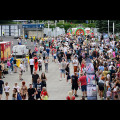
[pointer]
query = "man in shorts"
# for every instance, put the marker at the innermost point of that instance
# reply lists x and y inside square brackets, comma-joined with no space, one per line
[62,68]
[74,81]
[25,60]
[83,83]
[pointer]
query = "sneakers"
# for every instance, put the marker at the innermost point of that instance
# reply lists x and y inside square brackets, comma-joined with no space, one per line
[76,95]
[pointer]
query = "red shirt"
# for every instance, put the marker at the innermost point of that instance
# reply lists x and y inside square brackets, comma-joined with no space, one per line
[53,50]
[44,93]
[34,60]
[52,40]
[68,98]
[83,80]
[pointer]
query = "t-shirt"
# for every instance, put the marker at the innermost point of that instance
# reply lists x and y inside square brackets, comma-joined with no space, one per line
[105,73]
[38,87]
[31,61]
[11,60]
[75,62]
[108,93]
[40,61]
[74,80]
[83,81]
[63,65]
[25,61]
[101,68]
[1,83]
[111,72]
[68,56]
[62,54]
[21,66]
[14,61]
[44,93]
[47,50]
[68,98]
[35,77]
[6,88]
[17,87]
[31,91]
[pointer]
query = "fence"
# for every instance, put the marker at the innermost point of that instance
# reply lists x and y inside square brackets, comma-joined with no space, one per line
[54,32]
[10,30]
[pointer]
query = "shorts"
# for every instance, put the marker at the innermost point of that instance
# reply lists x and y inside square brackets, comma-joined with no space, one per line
[68,60]
[68,77]
[54,57]
[1,91]
[15,65]
[84,88]
[43,58]
[38,95]
[62,71]
[23,96]
[101,88]
[75,68]
[75,87]
[7,93]
[3,72]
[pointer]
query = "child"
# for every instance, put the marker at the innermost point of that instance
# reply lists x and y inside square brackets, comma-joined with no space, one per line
[40,64]
[20,73]
[44,93]
[6,89]
[108,94]
[54,57]
[9,66]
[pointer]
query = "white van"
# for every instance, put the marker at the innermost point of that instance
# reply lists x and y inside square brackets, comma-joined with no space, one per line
[20,50]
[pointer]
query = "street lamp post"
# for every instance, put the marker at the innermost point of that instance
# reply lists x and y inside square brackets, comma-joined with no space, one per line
[48,27]
[55,25]
[108,28]
[113,31]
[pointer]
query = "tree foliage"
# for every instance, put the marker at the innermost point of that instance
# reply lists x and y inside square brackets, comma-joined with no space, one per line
[103,26]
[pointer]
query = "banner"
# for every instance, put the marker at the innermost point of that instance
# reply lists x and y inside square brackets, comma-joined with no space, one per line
[89,68]
[91,92]
[90,78]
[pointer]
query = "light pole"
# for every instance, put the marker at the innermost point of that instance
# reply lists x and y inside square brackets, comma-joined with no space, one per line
[48,27]
[108,28]
[55,25]
[37,28]
[113,31]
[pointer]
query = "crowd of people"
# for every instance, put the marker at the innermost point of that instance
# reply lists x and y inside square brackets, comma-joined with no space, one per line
[67,50]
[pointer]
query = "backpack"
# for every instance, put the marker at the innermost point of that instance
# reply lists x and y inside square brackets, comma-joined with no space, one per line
[19,96]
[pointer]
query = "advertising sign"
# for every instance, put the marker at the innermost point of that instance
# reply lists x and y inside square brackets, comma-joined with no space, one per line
[90,78]
[91,92]
[89,68]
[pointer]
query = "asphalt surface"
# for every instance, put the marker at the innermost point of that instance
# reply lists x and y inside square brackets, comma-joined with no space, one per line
[57,90]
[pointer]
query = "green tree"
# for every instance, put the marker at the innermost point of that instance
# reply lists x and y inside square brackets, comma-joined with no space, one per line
[103,26]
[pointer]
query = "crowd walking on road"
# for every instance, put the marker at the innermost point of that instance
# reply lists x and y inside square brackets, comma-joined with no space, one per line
[69,53]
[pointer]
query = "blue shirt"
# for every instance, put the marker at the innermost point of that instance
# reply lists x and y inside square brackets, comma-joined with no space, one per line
[101,68]
[11,60]
[47,50]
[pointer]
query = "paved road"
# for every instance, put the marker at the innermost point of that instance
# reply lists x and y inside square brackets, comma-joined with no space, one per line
[57,90]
